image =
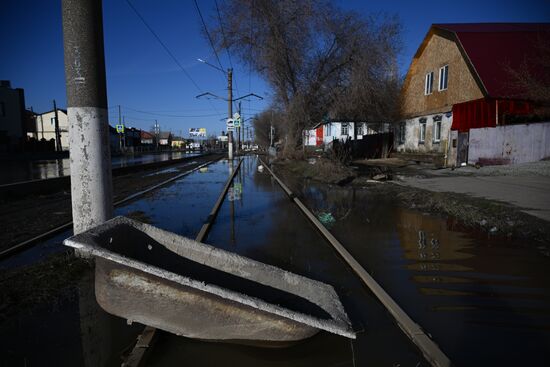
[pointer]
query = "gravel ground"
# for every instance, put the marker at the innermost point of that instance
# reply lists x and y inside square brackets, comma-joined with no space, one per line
[540,168]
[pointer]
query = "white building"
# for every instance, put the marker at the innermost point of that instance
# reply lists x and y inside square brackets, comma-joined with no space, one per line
[45,127]
[327,132]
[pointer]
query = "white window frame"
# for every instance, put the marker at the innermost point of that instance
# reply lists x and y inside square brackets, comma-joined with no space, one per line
[437,131]
[402,132]
[360,129]
[429,83]
[327,130]
[443,77]
[52,121]
[344,130]
[422,131]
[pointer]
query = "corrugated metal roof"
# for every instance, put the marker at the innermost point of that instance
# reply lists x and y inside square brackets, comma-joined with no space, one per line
[494,47]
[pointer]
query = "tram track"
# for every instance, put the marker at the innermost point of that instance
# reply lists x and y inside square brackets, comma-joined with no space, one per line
[148,336]
[20,246]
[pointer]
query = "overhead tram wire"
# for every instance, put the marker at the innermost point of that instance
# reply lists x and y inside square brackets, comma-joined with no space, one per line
[170,115]
[208,35]
[167,49]
[225,42]
[214,48]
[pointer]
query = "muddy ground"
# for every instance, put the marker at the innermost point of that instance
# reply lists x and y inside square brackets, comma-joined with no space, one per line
[493,217]
[25,218]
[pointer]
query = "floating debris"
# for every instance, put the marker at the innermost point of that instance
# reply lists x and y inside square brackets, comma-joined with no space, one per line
[326,218]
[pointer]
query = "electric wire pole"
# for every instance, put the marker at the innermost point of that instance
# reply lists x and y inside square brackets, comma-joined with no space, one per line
[87,113]
[230,111]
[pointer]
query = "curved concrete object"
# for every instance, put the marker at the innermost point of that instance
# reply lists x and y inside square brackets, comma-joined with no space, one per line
[188,288]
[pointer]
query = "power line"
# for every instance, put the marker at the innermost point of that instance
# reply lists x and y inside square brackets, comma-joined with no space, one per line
[225,43]
[169,115]
[163,45]
[208,35]
[168,50]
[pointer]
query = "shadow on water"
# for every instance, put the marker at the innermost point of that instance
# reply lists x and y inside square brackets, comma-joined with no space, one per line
[486,301]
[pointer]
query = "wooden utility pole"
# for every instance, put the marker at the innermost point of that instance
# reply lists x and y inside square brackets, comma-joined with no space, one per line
[87,112]
[58,146]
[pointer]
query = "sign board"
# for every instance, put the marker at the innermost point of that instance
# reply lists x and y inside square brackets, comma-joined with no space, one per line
[236,116]
[237,122]
[230,124]
[120,129]
[197,131]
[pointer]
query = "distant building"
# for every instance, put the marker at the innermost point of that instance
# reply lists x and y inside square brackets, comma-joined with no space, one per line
[45,126]
[329,131]
[147,138]
[458,81]
[12,113]
[165,139]
[178,142]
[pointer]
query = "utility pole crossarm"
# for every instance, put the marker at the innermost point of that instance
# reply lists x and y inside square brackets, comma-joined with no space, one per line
[248,95]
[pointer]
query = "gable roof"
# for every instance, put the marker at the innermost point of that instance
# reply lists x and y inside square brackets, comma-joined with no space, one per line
[490,48]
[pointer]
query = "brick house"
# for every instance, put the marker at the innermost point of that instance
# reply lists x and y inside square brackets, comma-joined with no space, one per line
[458,81]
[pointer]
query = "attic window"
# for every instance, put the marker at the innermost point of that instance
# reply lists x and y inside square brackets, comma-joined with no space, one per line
[429,83]
[443,77]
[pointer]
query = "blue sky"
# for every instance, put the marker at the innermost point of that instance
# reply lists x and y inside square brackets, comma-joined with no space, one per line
[142,77]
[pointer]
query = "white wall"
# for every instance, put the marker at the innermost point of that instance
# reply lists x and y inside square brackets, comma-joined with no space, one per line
[309,138]
[512,143]
[412,135]
[48,133]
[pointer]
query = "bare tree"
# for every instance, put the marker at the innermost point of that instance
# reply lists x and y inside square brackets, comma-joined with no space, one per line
[531,78]
[316,57]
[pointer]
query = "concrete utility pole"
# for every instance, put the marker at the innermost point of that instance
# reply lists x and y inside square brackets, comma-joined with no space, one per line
[230,111]
[91,181]
[58,146]
[238,130]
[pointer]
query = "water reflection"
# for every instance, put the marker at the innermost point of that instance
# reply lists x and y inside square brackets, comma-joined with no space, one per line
[483,299]
[16,171]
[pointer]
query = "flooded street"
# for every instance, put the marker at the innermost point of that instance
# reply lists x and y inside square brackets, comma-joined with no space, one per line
[485,301]
[18,171]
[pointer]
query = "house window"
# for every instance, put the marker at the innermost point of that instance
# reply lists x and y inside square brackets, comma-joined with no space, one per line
[437,129]
[344,130]
[2,109]
[429,83]
[327,130]
[443,77]
[401,133]
[359,129]
[422,132]
[52,120]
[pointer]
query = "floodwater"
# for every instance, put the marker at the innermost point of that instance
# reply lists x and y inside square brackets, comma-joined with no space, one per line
[485,301]
[26,170]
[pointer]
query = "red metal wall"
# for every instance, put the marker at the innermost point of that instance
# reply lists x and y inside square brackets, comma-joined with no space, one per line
[482,113]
